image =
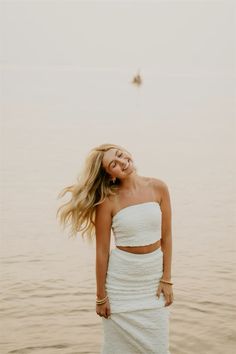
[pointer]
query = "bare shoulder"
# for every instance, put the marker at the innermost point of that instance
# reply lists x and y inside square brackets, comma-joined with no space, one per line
[161,189]
[103,220]
[158,183]
[104,209]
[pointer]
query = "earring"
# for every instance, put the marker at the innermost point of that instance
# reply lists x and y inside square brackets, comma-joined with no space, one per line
[114,180]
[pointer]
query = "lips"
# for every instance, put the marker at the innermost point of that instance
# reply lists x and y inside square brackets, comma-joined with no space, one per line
[126,166]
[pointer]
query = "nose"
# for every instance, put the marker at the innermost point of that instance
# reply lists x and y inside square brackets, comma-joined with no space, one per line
[124,161]
[124,158]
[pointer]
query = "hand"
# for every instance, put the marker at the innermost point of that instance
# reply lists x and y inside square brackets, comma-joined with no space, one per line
[168,293]
[104,310]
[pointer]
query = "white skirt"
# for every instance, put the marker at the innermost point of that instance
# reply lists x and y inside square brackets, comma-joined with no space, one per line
[139,321]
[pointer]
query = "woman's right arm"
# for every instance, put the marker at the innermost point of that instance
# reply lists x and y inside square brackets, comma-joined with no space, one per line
[103,222]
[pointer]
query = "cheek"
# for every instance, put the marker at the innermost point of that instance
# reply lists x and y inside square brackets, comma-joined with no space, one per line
[118,169]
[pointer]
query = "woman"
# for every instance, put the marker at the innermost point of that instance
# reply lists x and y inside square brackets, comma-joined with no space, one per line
[134,287]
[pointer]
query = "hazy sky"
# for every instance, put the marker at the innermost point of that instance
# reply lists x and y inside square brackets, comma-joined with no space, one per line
[70,64]
[169,37]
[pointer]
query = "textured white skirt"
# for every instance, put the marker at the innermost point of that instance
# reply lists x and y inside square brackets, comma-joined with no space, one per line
[139,321]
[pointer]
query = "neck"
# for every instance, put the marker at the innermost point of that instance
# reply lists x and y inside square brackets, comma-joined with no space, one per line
[131,182]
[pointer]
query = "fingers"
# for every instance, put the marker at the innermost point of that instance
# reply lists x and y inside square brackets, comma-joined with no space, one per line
[158,293]
[106,313]
[168,295]
[101,314]
[167,292]
[169,299]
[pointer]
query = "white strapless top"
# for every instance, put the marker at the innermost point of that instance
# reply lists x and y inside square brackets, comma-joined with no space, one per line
[137,225]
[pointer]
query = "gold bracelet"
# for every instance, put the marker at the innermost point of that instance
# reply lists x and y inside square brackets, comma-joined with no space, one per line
[101,301]
[167,282]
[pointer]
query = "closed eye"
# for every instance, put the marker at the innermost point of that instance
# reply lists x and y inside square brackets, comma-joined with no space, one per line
[118,156]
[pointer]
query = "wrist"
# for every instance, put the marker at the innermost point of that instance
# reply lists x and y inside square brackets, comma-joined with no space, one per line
[101,295]
[167,278]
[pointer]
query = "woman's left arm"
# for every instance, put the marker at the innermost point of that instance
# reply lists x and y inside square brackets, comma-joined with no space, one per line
[166,241]
[166,230]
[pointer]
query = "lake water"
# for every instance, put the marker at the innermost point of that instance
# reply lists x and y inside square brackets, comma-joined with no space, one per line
[179,126]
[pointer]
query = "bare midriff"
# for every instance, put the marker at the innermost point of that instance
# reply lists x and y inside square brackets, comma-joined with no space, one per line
[141,249]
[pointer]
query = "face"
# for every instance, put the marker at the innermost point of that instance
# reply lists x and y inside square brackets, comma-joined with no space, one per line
[118,163]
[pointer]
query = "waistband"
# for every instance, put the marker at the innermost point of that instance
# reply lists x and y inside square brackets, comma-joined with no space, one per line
[130,255]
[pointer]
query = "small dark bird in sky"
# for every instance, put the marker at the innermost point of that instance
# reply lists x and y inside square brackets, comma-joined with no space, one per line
[137,80]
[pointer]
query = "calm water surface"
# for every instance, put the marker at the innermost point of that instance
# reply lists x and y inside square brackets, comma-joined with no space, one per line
[48,281]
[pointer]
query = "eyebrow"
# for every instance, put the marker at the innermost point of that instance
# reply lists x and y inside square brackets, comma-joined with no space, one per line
[113,160]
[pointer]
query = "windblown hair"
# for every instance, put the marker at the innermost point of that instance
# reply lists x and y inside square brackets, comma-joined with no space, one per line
[92,187]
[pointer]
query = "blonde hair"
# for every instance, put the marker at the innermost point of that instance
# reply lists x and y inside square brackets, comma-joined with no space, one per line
[93,186]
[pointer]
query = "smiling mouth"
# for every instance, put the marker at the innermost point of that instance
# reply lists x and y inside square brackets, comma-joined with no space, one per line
[127,165]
